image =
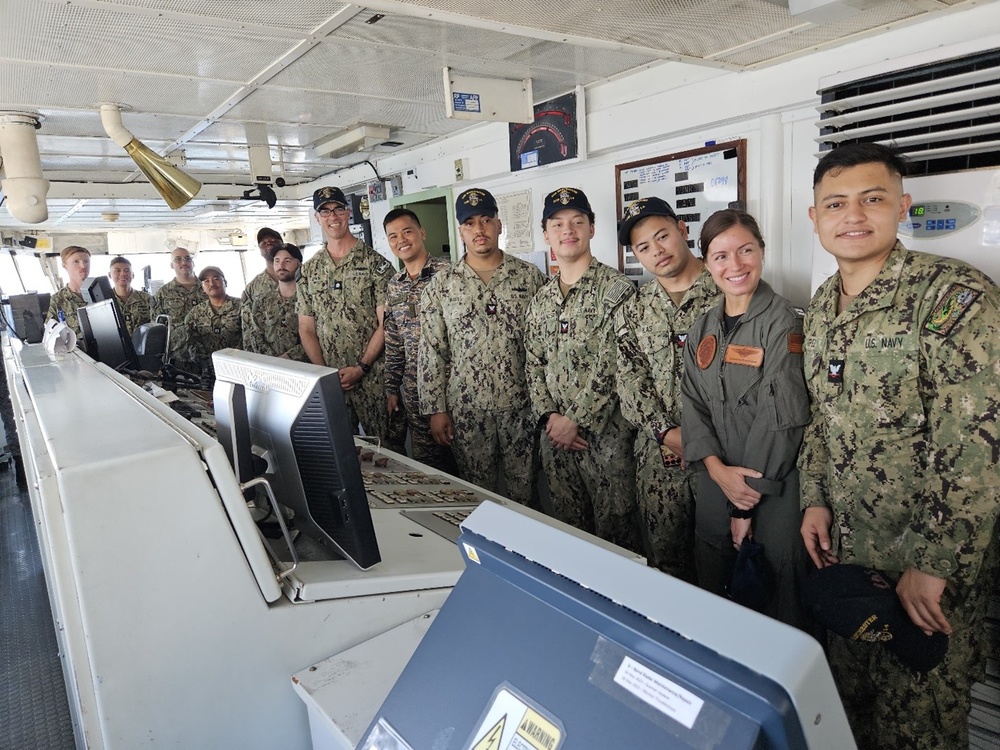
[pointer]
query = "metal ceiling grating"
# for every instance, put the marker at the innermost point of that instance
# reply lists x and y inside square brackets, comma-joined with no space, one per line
[694,28]
[809,36]
[944,116]
[78,34]
[298,15]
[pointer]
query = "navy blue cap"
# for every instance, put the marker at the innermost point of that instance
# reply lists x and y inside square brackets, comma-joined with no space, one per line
[268,232]
[475,202]
[328,195]
[860,604]
[639,210]
[565,197]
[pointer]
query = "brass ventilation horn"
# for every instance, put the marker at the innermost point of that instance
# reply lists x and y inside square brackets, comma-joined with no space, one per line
[173,185]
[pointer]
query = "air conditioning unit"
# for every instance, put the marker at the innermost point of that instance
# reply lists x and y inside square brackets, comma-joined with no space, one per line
[358,138]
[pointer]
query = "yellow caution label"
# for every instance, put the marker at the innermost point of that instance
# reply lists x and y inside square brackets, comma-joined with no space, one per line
[541,733]
[491,740]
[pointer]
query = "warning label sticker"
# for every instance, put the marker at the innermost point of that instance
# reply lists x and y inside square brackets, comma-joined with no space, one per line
[512,722]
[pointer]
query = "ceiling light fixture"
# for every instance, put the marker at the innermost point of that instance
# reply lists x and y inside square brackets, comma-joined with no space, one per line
[173,185]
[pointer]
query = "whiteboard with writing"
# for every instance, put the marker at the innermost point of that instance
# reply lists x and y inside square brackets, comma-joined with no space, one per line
[695,183]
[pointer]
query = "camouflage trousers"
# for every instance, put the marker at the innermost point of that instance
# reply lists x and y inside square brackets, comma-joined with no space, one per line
[594,489]
[422,445]
[366,405]
[892,707]
[666,509]
[488,444]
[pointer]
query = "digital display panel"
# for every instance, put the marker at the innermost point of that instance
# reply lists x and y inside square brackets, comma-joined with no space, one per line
[916,211]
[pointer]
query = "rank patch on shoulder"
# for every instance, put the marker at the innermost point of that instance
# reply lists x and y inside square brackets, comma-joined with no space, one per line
[835,371]
[680,339]
[563,326]
[381,268]
[706,352]
[950,309]
[795,343]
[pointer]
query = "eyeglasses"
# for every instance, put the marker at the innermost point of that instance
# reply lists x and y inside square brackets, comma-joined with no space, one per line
[338,211]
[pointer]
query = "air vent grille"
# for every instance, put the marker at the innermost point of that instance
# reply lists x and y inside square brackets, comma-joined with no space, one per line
[944,116]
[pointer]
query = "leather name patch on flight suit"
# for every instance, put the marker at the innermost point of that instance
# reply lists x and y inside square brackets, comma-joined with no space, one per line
[751,356]
[795,341]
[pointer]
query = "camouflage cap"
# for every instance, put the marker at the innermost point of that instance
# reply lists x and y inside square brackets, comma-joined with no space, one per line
[565,197]
[328,195]
[861,604]
[639,210]
[475,202]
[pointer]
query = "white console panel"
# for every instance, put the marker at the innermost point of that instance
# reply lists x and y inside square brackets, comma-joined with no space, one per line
[174,630]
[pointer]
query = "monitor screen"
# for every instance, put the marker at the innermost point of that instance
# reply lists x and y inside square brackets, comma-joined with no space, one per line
[105,335]
[97,289]
[293,415]
[26,316]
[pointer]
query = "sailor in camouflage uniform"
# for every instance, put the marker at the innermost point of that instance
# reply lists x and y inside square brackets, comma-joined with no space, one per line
[569,341]
[652,333]
[275,314]
[76,261]
[262,286]
[470,366]
[402,333]
[213,324]
[175,299]
[340,307]
[136,304]
[899,466]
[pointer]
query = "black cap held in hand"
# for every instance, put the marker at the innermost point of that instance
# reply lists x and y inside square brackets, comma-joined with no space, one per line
[861,604]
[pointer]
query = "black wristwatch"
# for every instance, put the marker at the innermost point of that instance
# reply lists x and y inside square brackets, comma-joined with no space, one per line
[735,512]
[365,369]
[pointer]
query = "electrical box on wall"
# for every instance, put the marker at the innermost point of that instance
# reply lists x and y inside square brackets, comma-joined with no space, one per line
[461,169]
[395,186]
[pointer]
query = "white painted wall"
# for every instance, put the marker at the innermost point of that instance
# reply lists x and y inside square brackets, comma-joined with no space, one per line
[676,106]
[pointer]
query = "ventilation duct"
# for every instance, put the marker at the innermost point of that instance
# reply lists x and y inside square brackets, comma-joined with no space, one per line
[173,185]
[23,184]
[944,116]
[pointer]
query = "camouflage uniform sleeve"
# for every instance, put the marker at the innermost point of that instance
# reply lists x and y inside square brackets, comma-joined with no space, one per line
[814,457]
[384,272]
[640,402]
[395,354]
[535,361]
[252,335]
[53,311]
[434,353]
[962,403]
[303,299]
[596,400]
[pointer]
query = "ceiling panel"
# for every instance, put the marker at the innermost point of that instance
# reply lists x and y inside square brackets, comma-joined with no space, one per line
[85,35]
[686,27]
[42,86]
[810,36]
[298,15]
[193,71]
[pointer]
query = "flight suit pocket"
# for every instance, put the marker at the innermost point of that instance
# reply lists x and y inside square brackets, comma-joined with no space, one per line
[788,404]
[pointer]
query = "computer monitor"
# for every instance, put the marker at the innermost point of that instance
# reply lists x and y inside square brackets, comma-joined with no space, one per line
[294,415]
[97,289]
[25,315]
[105,335]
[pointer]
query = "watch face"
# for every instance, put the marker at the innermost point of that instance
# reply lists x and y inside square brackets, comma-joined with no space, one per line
[365,209]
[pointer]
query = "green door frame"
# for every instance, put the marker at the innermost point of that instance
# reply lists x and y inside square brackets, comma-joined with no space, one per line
[403,200]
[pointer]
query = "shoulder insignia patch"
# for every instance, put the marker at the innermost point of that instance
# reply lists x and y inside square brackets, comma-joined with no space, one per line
[705,352]
[382,268]
[951,308]
[619,291]
[798,312]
